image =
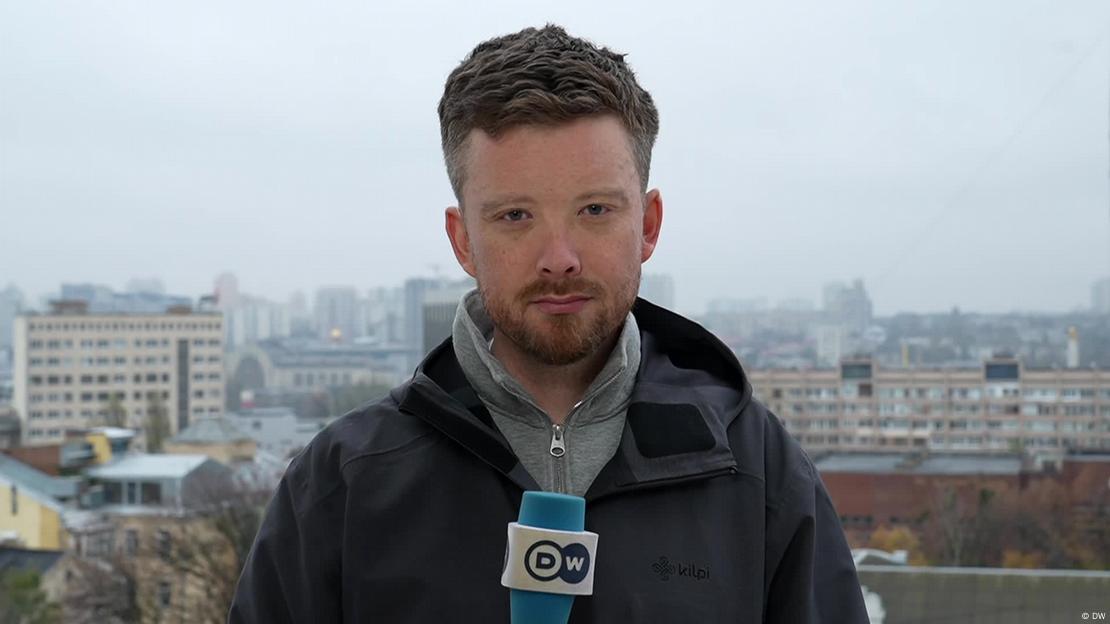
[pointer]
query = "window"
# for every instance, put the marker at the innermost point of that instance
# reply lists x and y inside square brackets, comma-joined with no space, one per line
[162,544]
[164,594]
[131,543]
[151,493]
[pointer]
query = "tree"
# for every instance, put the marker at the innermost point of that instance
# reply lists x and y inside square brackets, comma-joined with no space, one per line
[210,552]
[208,545]
[104,591]
[891,539]
[115,414]
[964,526]
[157,426]
[22,601]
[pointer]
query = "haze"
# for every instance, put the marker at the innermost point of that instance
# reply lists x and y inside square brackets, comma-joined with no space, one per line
[947,153]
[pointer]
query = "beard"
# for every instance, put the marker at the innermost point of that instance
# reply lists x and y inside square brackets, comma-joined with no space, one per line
[561,339]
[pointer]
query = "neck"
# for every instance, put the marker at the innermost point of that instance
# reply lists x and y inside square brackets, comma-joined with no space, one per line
[557,389]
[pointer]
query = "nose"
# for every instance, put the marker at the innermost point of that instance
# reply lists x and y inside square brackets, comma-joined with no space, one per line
[558,256]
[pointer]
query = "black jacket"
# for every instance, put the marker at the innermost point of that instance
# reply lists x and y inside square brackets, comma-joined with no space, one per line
[708,512]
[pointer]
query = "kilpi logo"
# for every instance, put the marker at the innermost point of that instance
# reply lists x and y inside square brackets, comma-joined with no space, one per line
[546,560]
[665,569]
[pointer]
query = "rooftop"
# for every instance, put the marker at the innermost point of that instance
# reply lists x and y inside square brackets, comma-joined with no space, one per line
[23,559]
[148,466]
[211,430]
[34,480]
[114,433]
[888,463]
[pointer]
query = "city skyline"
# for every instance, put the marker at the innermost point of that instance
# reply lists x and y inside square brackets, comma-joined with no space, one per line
[947,155]
[755,301]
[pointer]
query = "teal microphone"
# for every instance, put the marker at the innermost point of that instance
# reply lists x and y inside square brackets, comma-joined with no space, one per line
[550,558]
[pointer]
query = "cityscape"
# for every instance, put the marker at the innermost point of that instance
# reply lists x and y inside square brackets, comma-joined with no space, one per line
[141,431]
[222,230]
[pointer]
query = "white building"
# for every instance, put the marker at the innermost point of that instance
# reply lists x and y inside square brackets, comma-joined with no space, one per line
[69,365]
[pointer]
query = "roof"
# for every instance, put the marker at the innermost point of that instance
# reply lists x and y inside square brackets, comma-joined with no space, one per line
[1088,457]
[23,559]
[263,412]
[970,464]
[210,430]
[862,462]
[114,433]
[35,481]
[148,466]
[890,463]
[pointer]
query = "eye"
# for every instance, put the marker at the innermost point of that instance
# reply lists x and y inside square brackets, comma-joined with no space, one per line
[595,210]
[514,215]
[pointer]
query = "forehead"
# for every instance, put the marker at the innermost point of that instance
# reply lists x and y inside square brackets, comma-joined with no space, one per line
[539,159]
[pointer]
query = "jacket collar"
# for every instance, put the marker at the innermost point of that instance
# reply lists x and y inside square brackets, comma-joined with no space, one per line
[689,388]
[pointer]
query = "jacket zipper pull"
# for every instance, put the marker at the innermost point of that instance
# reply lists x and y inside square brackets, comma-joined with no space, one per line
[558,449]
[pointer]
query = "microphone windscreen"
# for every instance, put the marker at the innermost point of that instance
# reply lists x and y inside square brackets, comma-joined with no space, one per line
[546,510]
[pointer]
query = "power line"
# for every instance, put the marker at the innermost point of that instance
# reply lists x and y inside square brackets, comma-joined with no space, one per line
[989,161]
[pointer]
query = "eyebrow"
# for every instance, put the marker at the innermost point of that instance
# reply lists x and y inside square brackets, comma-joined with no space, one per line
[611,194]
[493,205]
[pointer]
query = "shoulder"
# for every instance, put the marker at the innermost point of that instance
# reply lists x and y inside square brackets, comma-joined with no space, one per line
[376,428]
[764,448]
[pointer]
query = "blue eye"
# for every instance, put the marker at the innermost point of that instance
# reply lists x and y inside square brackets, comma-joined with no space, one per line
[514,215]
[596,210]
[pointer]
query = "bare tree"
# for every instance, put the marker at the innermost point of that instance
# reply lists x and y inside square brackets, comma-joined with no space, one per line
[157,426]
[103,590]
[115,414]
[211,549]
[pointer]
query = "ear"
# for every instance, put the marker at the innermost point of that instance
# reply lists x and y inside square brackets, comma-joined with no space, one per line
[460,239]
[653,220]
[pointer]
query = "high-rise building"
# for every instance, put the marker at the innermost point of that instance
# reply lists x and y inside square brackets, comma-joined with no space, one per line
[1001,406]
[439,319]
[227,291]
[418,291]
[336,311]
[658,288]
[385,310]
[849,305]
[1100,296]
[145,285]
[255,319]
[73,368]
[103,300]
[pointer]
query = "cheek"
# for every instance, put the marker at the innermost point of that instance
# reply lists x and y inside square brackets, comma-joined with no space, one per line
[495,264]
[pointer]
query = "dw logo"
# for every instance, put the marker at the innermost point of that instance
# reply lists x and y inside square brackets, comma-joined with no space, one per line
[546,560]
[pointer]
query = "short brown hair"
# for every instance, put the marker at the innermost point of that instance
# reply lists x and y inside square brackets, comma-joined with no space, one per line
[541,77]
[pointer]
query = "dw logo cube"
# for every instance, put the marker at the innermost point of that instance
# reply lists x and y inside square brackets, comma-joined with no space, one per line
[546,560]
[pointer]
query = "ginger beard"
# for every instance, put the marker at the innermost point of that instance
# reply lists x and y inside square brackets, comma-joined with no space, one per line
[561,339]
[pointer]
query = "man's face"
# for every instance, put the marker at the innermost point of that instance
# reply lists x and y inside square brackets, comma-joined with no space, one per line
[554,229]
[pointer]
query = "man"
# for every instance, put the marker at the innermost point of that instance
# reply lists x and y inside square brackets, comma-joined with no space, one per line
[556,377]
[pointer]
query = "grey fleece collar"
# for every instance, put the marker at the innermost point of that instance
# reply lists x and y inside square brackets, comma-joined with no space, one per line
[471,334]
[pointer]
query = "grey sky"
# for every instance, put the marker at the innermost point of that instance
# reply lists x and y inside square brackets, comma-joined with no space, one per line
[949,153]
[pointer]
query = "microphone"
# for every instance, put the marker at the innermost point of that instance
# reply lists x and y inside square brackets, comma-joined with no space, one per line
[549,558]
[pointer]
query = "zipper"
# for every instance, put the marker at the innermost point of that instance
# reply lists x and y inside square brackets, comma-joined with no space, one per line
[559,467]
[558,447]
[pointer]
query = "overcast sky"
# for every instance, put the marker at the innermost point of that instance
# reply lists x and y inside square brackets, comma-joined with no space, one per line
[948,153]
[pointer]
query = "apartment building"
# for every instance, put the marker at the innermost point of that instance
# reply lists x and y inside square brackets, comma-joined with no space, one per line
[1001,406]
[72,368]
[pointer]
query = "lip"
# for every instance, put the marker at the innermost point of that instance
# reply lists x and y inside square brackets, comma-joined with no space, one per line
[562,305]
